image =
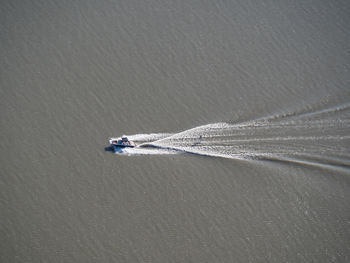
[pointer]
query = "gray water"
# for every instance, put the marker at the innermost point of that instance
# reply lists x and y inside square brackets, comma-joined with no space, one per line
[240,110]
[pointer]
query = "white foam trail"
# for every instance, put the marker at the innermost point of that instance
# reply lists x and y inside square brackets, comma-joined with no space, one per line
[148,137]
[146,151]
[320,137]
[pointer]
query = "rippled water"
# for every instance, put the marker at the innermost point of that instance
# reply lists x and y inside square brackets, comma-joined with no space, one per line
[264,84]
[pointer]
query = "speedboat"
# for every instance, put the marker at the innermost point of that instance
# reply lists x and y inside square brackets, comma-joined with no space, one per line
[122,142]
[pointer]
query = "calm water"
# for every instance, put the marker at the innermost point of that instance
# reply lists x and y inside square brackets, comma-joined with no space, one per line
[265,83]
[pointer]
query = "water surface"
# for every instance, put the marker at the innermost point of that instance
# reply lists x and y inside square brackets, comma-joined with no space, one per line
[266,85]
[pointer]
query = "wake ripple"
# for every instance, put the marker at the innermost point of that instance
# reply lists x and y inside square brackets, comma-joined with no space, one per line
[320,137]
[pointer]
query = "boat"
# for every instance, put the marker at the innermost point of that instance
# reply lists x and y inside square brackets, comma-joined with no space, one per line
[122,142]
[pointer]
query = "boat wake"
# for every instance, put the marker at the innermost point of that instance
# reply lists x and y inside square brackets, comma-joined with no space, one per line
[315,137]
[141,141]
